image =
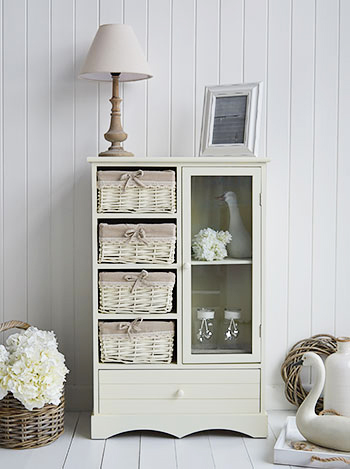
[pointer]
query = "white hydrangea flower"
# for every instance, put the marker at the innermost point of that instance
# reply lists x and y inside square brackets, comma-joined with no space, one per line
[4,356]
[34,369]
[209,245]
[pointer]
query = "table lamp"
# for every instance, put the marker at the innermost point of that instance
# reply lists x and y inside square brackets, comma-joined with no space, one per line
[115,55]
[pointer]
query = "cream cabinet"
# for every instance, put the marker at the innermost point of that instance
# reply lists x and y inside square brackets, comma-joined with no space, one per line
[215,377]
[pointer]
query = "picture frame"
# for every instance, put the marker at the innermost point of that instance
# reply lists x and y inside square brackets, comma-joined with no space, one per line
[231,120]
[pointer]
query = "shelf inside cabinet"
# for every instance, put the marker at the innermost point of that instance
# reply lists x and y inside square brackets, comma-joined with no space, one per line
[226,261]
[124,366]
[220,351]
[135,215]
[137,266]
[122,317]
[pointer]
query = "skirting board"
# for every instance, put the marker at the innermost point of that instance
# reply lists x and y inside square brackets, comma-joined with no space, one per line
[79,398]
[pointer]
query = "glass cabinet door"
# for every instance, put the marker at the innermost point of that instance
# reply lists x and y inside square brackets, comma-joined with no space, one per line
[222,250]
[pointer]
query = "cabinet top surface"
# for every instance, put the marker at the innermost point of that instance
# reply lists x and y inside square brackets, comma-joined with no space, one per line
[199,160]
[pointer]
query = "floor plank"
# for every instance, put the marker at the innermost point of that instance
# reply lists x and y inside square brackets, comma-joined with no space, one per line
[122,452]
[194,451]
[84,452]
[277,419]
[227,448]
[148,450]
[157,451]
[38,458]
[260,451]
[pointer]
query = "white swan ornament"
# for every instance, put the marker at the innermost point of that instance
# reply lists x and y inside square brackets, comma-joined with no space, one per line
[241,245]
[330,431]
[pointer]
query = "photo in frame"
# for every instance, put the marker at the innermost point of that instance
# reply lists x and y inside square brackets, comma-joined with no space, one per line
[231,120]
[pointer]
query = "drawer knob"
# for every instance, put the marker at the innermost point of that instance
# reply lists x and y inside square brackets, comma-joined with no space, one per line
[187,266]
[180,393]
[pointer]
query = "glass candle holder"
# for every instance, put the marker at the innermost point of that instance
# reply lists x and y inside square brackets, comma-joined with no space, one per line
[205,336]
[231,327]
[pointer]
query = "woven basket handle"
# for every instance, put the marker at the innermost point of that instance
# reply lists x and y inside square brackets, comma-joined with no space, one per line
[5,326]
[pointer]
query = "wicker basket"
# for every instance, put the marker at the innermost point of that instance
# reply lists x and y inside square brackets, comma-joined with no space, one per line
[136,191]
[24,429]
[137,341]
[136,292]
[137,244]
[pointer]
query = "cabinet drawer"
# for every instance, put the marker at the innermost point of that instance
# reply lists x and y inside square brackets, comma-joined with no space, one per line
[187,391]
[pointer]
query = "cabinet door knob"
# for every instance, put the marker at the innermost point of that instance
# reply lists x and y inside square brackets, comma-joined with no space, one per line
[180,393]
[187,266]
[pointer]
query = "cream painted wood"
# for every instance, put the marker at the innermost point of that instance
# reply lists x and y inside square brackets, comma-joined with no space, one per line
[177,366]
[183,391]
[179,425]
[177,405]
[255,174]
[151,396]
[199,376]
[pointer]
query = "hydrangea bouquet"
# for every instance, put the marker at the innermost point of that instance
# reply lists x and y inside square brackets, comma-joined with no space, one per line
[210,245]
[32,368]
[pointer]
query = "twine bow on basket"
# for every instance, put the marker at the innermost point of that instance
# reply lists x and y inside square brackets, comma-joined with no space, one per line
[131,327]
[136,278]
[138,233]
[135,177]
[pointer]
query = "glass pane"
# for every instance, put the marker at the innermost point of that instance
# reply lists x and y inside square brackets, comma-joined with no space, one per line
[218,288]
[224,203]
[221,232]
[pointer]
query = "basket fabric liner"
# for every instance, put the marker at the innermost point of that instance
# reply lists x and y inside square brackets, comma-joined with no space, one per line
[134,178]
[132,277]
[140,231]
[137,327]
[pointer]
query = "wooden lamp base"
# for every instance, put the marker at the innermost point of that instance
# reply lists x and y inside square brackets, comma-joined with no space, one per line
[116,152]
[116,134]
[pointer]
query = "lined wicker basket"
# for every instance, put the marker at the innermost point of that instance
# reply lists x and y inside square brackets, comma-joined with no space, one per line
[24,429]
[136,292]
[136,191]
[136,341]
[137,244]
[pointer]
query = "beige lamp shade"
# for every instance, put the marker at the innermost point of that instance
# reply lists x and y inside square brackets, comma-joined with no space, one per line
[115,49]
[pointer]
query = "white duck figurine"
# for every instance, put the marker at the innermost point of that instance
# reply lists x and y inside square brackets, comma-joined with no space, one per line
[241,245]
[331,431]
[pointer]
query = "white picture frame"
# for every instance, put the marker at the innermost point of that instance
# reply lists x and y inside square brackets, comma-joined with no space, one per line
[231,120]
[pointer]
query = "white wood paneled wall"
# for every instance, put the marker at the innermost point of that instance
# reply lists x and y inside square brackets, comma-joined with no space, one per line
[50,121]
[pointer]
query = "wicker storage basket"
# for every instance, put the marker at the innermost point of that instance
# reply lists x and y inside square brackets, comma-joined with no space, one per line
[136,292]
[137,341]
[136,191]
[137,244]
[24,429]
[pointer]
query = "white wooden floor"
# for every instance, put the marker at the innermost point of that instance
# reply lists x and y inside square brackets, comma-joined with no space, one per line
[148,450]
